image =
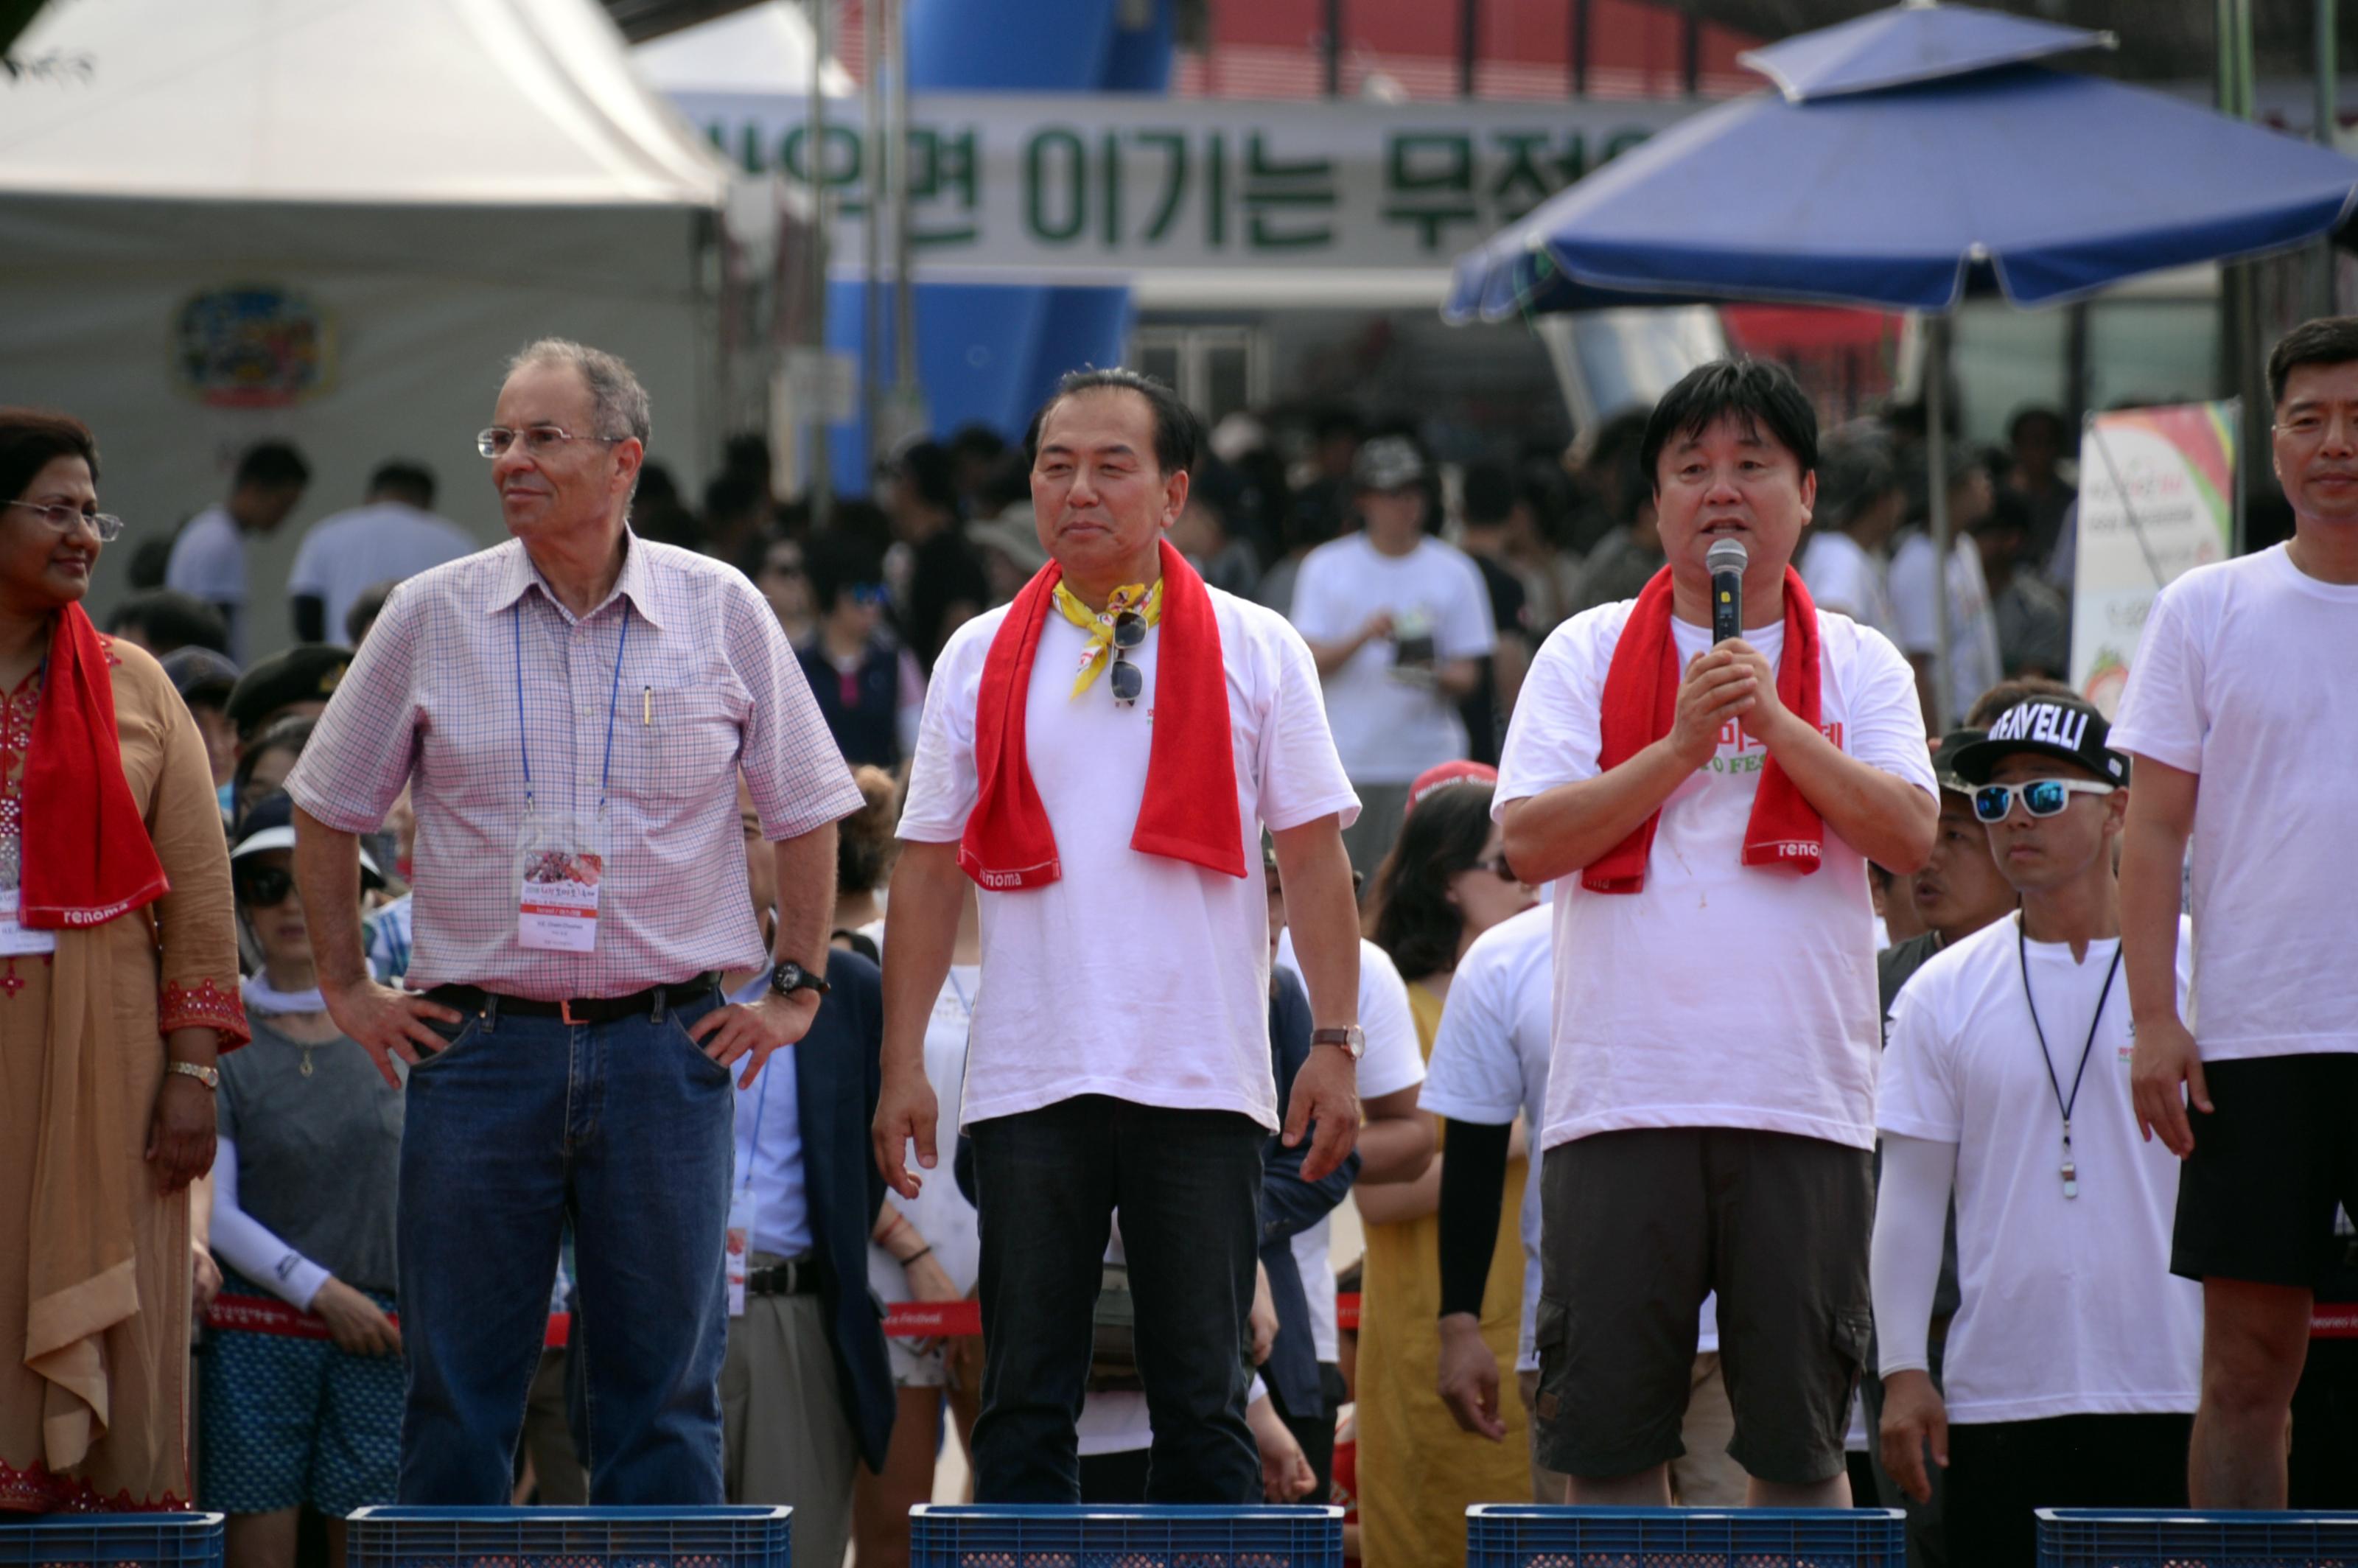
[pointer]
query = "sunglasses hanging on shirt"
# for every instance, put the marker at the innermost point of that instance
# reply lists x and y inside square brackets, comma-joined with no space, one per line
[1127,680]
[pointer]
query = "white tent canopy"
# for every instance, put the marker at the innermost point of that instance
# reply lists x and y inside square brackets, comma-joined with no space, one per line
[762,48]
[411,188]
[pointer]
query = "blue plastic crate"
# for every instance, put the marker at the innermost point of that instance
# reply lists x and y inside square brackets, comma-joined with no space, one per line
[571,1537]
[114,1540]
[1524,1535]
[984,1536]
[2153,1538]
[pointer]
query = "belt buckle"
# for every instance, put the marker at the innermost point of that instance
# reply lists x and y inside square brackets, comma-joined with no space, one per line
[565,1011]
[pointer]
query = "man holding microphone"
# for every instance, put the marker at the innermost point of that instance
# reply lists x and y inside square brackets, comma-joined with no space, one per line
[1706,805]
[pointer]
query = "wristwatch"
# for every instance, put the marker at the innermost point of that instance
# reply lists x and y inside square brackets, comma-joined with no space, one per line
[209,1076]
[790,977]
[1350,1038]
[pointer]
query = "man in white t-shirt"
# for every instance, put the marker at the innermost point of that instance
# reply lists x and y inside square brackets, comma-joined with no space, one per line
[1860,500]
[1100,757]
[2072,1363]
[208,559]
[393,536]
[1489,1064]
[2244,727]
[1707,814]
[1974,662]
[1399,623]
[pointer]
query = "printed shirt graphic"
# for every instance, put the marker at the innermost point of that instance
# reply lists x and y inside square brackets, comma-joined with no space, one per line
[1720,995]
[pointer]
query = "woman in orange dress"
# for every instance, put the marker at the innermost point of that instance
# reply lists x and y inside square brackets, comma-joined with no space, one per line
[118,987]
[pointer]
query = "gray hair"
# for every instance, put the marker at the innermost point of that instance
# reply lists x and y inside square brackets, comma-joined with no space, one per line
[620,403]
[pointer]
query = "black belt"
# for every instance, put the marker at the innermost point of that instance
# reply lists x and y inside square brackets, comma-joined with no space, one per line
[795,1277]
[650,1002]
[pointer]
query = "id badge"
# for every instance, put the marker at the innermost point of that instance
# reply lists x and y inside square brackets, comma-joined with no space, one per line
[15,939]
[561,864]
[739,1245]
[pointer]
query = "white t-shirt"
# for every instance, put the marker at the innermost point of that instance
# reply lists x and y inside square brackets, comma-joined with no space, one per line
[1721,995]
[1390,1062]
[2240,678]
[2069,1305]
[209,561]
[1388,731]
[1974,664]
[1136,976]
[939,1211]
[344,555]
[1842,576]
[1491,1063]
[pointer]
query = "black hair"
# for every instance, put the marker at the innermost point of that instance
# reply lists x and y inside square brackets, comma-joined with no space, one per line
[747,452]
[151,559]
[1008,483]
[978,441]
[273,465]
[404,480]
[732,493]
[1854,471]
[1330,423]
[285,735]
[166,620]
[865,847]
[926,469]
[1178,434]
[2324,341]
[656,487]
[837,561]
[1412,919]
[1758,392]
[32,438]
[1490,494]
[2031,413]
[365,610]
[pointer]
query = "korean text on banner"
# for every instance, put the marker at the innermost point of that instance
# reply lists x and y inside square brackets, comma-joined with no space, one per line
[2157,499]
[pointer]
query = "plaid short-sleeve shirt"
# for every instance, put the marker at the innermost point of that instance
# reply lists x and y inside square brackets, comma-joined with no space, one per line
[475,671]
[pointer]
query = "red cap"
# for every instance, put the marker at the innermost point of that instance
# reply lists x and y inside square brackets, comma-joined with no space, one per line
[1447,773]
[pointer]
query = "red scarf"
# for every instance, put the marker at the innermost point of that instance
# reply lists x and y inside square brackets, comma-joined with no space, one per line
[1190,810]
[87,857]
[1641,696]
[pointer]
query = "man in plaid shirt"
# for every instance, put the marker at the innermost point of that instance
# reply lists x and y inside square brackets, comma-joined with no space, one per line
[583,699]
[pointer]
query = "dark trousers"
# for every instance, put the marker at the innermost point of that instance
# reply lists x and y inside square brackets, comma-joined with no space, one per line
[1187,1185]
[2000,1471]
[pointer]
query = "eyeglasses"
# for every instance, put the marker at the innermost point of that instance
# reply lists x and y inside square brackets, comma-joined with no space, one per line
[1129,681]
[2041,798]
[539,440]
[1496,868]
[63,519]
[262,887]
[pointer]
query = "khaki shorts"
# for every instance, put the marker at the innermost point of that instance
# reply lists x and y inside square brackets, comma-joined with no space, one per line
[1639,1226]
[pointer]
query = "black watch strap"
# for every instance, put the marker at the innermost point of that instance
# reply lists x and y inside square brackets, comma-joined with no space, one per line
[790,977]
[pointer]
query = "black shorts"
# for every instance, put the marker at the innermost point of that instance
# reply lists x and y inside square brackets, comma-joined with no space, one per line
[2256,1199]
[1639,1226]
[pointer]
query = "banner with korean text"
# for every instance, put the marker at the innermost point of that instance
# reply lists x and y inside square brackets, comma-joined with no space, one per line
[2157,492]
[1097,188]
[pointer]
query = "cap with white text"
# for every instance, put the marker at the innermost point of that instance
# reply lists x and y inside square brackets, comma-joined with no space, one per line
[2065,728]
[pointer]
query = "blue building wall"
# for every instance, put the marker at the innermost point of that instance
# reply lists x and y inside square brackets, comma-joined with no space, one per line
[989,353]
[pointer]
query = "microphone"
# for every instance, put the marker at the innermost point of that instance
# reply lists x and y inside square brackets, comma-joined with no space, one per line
[1725,560]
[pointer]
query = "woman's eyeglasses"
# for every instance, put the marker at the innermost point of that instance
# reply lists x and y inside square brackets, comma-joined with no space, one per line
[262,887]
[2040,797]
[63,519]
[1496,868]
[1129,681]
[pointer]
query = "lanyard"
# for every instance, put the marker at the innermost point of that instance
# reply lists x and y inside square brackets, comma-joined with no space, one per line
[2022,951]
[760,1103]
[606,771]
[959,991]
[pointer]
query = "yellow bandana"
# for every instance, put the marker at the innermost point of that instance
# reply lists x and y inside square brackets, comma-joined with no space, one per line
[1095,659]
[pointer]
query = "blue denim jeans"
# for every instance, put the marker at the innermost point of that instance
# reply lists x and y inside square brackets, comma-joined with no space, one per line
[519,1125]
[1187,1184]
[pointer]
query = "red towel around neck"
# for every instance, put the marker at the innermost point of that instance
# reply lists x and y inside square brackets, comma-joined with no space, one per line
[1641,697]
[87,855]
[1190,810]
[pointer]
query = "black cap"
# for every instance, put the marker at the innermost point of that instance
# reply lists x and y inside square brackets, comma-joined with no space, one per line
[308,672]
[1944,757]
[200,675]
[2066,728]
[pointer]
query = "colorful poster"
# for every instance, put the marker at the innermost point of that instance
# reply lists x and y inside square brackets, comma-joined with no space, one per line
[2156,500]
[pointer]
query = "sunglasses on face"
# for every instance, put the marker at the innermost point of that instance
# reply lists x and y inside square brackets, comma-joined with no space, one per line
[1496,868]
[874,595]
[2040,797]
[262,887]
[1129,680]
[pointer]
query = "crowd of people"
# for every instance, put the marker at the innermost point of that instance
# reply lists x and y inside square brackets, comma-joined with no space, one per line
[646,949]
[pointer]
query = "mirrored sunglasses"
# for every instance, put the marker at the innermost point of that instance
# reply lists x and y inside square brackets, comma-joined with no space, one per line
[2040,797]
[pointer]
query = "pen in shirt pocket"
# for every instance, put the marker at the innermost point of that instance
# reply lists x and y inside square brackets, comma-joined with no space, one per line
[647,706]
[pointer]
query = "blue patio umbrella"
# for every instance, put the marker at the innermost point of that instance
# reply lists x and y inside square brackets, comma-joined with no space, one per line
[1910,158]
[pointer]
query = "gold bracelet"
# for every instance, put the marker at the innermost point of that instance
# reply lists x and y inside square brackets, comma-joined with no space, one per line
[209,1076]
